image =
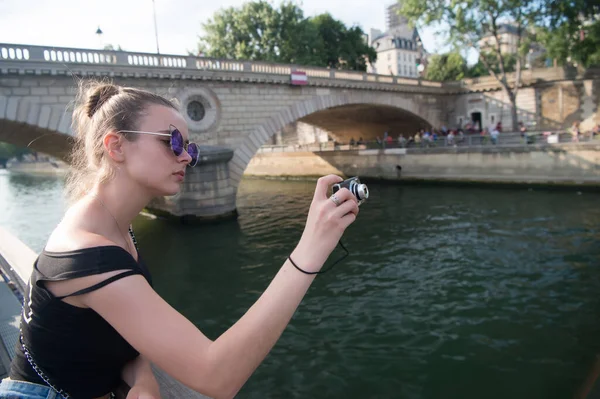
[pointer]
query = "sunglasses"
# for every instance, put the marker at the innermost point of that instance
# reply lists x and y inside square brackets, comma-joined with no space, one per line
[177,144]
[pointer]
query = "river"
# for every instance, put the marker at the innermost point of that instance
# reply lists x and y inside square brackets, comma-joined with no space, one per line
[448,292]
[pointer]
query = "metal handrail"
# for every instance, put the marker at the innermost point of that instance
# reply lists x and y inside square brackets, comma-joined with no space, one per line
[507,140]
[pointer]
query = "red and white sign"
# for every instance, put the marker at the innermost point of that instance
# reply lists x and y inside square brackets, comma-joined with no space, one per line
[299,78]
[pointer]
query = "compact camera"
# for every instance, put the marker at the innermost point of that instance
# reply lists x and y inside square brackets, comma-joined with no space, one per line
[360,191]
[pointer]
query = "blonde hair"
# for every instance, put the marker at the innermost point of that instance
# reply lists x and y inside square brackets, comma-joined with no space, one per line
[102,107]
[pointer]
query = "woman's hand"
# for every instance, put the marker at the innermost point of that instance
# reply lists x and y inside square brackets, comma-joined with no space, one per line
[325,225]
[138,375]
[142,392]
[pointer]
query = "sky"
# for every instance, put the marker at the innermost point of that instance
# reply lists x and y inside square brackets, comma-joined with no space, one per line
[130,23]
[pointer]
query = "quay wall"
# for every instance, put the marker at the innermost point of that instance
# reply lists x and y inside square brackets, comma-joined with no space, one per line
[561,164]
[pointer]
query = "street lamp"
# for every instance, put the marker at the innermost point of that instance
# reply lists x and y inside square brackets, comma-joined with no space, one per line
[155,27]
[99,33]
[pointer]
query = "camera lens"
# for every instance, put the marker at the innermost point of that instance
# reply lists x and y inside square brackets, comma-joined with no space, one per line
[362,192]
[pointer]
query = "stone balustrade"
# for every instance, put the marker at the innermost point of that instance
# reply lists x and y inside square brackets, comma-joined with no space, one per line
[37,54]
[60,55]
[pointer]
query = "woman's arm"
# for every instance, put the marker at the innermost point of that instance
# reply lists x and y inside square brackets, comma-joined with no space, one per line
[138,375]
[219,369]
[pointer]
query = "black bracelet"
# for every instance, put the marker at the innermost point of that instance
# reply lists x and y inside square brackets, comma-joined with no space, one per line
[302,270]
[329,268]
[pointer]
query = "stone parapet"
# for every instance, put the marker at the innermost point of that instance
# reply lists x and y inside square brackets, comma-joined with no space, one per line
[42,60]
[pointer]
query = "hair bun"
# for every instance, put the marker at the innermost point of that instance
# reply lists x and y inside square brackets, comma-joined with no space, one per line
[98,96]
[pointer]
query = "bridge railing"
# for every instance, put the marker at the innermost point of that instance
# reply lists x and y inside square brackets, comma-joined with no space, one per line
[466,141]
[63,55]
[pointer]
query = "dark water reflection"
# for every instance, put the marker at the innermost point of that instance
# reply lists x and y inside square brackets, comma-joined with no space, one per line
[448,292]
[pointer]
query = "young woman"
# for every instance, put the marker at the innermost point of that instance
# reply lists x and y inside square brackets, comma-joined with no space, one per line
[91,317]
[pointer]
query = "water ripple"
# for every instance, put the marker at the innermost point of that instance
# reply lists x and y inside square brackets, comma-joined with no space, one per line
[447,292]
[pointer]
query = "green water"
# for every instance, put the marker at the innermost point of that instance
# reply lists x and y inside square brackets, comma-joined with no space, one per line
[447,293]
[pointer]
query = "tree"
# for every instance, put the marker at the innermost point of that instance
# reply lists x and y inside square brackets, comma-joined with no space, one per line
[341,47]
[110,47]
[480,68]
[258,31]
[572,31]
[8,151]
[442,67]
[569,43]
[470,21]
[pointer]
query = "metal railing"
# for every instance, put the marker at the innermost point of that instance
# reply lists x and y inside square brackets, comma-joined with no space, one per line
[466,141]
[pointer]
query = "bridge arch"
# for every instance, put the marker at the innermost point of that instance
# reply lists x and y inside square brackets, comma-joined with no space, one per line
[30,121]
[36,138]
[318,108]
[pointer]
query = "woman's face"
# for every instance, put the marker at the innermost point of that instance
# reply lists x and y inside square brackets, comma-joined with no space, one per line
[150,161]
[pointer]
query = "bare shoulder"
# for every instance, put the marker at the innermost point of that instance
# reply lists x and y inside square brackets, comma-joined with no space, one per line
[66,238]
[77,230]
[71,238]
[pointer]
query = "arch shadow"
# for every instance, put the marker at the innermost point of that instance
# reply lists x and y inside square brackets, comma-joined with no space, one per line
[38,139]
[366,121]
[316,110]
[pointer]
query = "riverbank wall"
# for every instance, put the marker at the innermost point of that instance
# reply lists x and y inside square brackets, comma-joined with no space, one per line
[46,168]
[569,164]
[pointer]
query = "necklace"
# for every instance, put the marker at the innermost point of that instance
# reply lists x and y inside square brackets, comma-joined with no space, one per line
[116,222]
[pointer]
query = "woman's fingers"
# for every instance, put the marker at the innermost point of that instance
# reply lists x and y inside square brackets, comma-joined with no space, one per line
[342,196]
[323,185]
[347,220]
[349,206]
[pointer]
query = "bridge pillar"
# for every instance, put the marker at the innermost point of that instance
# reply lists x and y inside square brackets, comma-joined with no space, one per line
[207,193]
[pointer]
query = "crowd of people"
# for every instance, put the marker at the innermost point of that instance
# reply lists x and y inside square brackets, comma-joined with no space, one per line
[470,134]
[432,136]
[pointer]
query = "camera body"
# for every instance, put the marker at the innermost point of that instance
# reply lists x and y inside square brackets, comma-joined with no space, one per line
[359,190]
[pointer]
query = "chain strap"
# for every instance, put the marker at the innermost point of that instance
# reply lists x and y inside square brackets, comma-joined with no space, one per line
[43,376]
[133,237]
[39,371]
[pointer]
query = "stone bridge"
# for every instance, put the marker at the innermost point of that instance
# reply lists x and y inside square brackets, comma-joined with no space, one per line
[232,107]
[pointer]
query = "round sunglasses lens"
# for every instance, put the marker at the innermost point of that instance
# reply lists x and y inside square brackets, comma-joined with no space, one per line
[194,153]
[176,142]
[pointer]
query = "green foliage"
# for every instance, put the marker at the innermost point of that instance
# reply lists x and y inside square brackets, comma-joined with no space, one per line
[587,51]
[567,22]
[110,47]
[569,12]
[8,151]
[565,43]
[259,31]
[559,26]
[480,69]
[453,66]
[444,67]
[341,47]
[472,20]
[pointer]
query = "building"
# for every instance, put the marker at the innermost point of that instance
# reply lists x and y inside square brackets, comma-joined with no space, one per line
[399,49]
[508,36]
[397,55]
[394,19]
